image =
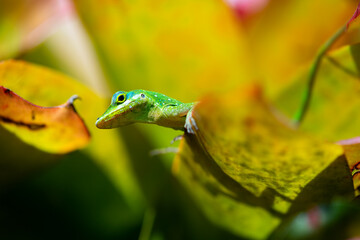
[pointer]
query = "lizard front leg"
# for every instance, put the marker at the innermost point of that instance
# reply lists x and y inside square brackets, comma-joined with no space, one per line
[190,124]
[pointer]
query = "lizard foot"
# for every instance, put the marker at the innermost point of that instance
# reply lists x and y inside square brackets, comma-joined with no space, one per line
[190,124]
[177,138]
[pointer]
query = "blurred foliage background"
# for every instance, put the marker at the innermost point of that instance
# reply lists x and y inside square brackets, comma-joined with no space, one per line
[113,188]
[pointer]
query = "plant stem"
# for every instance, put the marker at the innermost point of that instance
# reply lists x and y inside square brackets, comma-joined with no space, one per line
[299,116]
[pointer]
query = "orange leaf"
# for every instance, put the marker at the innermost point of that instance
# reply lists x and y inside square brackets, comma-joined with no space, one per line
[52,129]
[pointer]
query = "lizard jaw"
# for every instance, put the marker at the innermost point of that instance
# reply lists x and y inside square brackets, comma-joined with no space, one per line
[110,119]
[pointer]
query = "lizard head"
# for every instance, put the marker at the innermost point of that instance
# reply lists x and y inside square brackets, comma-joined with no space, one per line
[126,108]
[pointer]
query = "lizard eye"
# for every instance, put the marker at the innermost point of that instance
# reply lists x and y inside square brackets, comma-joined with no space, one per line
[121,98]
[143,95]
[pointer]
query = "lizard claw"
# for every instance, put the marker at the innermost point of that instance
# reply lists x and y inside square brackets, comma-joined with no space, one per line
[190,124]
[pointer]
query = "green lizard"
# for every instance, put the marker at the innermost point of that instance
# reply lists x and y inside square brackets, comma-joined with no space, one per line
[140,106]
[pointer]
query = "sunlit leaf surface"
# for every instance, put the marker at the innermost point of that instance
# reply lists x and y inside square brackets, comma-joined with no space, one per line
[248,171]
[54,129]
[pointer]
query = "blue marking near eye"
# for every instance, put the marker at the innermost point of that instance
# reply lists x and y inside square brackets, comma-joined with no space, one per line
[129,94]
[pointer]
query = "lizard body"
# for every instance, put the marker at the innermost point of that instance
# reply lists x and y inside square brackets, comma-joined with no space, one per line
[141,106]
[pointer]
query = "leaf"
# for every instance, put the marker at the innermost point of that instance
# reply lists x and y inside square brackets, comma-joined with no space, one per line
[44,87]
[249,172]
[54,129]
[333,113]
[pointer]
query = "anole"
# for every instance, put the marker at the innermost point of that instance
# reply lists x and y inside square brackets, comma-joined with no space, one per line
[141,106]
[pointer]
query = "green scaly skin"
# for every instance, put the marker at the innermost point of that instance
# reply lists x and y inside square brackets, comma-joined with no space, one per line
[140,106]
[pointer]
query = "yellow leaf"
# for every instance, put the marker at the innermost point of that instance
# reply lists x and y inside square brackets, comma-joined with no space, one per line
[248,171]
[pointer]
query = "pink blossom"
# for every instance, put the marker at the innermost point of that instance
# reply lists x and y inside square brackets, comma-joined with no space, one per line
[246,8]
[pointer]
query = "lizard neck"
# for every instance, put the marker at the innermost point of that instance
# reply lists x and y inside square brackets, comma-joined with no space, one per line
[173,116]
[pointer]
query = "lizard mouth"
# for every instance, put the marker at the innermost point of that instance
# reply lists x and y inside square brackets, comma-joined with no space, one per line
[116,117]
[101,123]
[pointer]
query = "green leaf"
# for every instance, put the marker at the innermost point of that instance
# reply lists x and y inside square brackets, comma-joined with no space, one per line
[248,171]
